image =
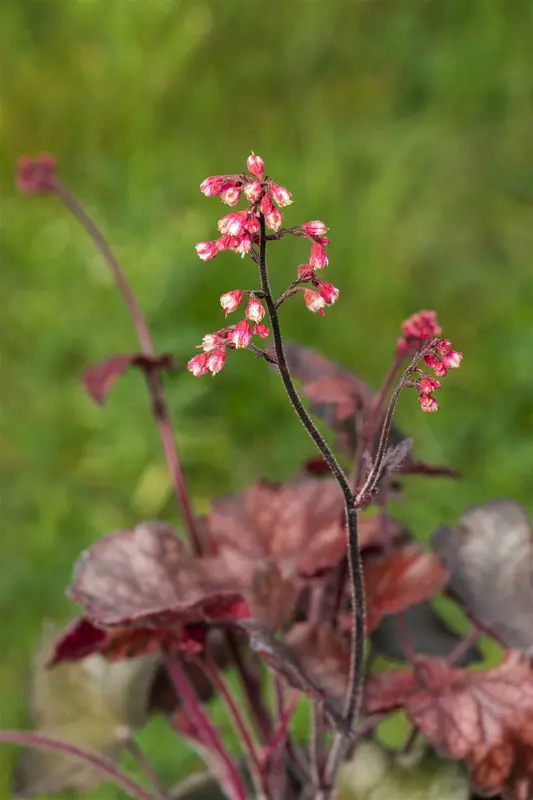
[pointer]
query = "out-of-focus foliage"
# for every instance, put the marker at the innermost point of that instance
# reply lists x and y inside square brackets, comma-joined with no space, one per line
[406,126]
[373,773]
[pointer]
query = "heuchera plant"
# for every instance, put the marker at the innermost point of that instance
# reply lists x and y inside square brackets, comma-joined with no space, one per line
[304,579]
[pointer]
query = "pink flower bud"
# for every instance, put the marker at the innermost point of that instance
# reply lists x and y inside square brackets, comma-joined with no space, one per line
[231,300]
[252,191]
[241,336]
[452,359]
[210,341]
[36,175]
[231,196]
[274,219]
[261,330]
[253,225]
[256,166]
[224,242]
[266,204]
[443,347]
[427,402]
[240,244]
[314,228]
[198,365]
[328,292]
[213,185]
[305,272]
[402,345]
[216,360]
[207,250]
[314,301]
[280,194]
[254,310]
[436,365]
[318,258]
[233,223]
[428,385]
[422,326]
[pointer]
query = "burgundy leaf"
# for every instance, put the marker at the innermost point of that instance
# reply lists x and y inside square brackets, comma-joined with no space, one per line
[79,639]
[403,579]
[272,597]
[298,524]
[323,654]
[489,555]
[298,660]
[484,717]
[387,691]
[145,578]
[100,378]
[337,396]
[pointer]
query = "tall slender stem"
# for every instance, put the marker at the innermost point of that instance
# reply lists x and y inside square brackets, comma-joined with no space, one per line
[99,762]
[355,690]
[241,726]
[154,382]
[207,731]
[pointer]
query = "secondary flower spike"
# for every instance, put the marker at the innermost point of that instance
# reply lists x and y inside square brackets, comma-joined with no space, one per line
[420,333]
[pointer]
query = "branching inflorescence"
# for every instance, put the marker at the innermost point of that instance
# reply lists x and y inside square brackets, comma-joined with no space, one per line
[294,579]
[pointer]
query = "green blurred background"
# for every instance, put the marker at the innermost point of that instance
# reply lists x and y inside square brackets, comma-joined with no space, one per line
[406,126]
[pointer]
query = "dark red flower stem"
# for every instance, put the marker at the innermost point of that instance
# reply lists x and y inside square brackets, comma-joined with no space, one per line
[463,646]
[154,382]
[99,762]
[247,743]
[207,730]
[355,691]
[376,473]
[373,418]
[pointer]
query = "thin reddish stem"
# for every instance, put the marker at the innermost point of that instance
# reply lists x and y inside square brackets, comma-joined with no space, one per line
[280,734]
[155,386]
[209,733]
[462,647]
[252,687]
[247,742]
[99,762]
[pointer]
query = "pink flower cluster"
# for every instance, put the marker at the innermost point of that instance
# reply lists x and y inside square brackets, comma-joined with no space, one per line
[239,229]
[241,232]
[421,328]
[215,345]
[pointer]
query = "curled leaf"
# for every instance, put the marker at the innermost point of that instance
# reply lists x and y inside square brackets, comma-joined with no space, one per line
[100,378]
[146,579]
[400,580]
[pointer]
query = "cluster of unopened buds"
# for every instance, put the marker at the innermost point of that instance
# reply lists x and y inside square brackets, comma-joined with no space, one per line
[241,233]
[423,329]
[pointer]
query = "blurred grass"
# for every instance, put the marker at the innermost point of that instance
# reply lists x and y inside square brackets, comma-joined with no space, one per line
[405,126]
